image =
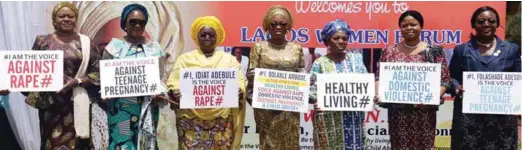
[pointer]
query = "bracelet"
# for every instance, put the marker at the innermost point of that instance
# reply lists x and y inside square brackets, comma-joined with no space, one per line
[79,82]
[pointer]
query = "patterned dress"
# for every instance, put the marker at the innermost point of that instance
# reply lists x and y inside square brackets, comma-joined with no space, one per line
[56,110]
[211,128]
[128,127]
[278,130]
[338,130]
[411,127]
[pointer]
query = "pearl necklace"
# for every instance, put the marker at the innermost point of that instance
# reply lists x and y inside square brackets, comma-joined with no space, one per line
[487,45]
[411,47]
[277,46]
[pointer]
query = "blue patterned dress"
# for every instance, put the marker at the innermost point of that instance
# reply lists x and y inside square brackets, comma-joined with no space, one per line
[338,130]
[132,120]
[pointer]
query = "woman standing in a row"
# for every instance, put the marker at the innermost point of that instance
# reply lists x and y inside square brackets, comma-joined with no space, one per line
[57,120]
[213,128]
[132,120]
[337,129]
[278,130]
[413,126]
[485,52]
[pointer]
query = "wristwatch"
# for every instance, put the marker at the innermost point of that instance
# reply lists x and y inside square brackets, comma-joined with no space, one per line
[79,82]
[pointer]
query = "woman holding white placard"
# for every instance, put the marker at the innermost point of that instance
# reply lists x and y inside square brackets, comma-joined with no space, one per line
[413,126]
[132,121]
[101,22]
[212,128]
[349,124]
[64,115]
[277,129]
[485,52]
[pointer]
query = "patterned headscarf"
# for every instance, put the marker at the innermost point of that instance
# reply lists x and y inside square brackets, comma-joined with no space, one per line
[332,27]
[277,10]
[62,5]
[209,21]
[128,9]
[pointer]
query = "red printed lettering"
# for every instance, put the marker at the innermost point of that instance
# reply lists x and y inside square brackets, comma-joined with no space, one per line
[52,62]
[33,66]
[204,100]
[146,62]
[209,90]
[374,117]
[13,81]
[11,68]
[24,81]
[309,116]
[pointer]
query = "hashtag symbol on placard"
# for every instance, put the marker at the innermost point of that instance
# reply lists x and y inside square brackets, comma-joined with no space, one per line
[428,97]
[46,81]
[386,67]
[153,87]
[6,57]
[517,109]
[186,75]
[219,100]
[364,101]
[470,76]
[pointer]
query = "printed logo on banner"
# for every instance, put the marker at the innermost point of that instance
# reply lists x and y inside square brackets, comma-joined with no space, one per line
[281,90]
[32,71]
[209,88]
[306,137]
[345,92]
[410,83]
[492,93]
[250,140]
[376,130]
[130,77]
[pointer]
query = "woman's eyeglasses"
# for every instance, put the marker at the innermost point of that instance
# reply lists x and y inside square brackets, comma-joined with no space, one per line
[275,24]
[490,21]
[134,22]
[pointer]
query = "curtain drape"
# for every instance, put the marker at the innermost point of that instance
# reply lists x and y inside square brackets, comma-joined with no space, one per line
[20,23]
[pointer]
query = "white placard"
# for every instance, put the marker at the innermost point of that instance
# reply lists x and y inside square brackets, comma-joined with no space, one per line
[31,71]
[345,92]
[130,77]
[209,88]
[281,90]
[492,93]
[410,83]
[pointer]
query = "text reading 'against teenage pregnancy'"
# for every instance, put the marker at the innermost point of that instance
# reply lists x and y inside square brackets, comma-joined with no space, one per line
[492,93]
[130,77]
